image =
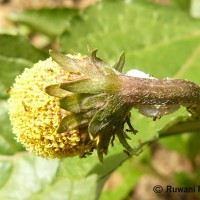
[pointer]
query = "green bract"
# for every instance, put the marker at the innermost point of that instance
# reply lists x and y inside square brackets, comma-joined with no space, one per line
[94,99]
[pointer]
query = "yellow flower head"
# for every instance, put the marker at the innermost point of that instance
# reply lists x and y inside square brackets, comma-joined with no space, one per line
[35,115]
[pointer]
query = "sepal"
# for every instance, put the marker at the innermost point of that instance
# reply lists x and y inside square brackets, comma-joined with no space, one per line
[87,66]
[77,103]
[84,86]
[120,63]
[122,139]
[105,116]
[63,61]
[94,99]
[74,120]
[56,91]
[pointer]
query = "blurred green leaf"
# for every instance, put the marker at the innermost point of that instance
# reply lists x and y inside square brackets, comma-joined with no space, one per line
[195,8]
[83,178]
[16,53]
[183,179]
[123,181]
[197,174]
[135,27]
[45,20]
[182,4]
[30,177]
[10,68]
[193,145]
[24,175]
[6,169]
[180,125]
[72,181]
[8,145]
[166,59]
[18,47]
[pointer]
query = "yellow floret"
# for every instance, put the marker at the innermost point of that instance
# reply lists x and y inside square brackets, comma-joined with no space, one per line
[35,116]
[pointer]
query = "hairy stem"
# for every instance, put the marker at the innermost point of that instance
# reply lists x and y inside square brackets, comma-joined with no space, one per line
[164,92]
[158,97]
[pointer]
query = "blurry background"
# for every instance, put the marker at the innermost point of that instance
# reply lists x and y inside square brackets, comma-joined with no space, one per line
[160,37]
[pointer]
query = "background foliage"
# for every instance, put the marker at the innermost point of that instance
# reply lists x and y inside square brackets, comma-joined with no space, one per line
[159,39]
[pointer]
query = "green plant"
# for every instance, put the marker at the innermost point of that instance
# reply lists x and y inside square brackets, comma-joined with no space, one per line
[154,43]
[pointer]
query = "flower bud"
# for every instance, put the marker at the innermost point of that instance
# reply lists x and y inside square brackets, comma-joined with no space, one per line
[36,116]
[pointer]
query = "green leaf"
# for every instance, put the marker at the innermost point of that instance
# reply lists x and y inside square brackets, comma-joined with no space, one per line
[46,20]
[25,175]
[162,67]
[182,4]
[72,189]
[123,180]
[6,169]
[16,53]
[8,145]
[18,47]
[180,125]
[10,68]
[113,33]
[195,8]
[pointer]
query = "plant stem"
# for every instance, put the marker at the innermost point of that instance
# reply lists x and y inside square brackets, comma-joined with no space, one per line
[146,91]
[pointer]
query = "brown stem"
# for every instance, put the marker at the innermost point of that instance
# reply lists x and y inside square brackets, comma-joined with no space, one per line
[146,91]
